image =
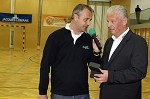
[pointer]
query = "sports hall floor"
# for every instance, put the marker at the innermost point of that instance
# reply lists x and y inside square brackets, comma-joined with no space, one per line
[19,76]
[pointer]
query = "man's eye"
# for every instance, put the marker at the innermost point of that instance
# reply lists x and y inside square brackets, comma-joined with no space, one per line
[113,21]
[85,20]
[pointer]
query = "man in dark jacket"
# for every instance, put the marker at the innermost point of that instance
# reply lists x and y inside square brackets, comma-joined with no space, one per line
[124,60]
[67,52]
[137,12]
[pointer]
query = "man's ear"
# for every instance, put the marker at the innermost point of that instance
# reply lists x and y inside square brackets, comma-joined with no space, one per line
[76,17]
[125,21]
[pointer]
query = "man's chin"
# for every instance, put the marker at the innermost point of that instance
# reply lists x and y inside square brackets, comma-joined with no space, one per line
[112,32]
[85,30]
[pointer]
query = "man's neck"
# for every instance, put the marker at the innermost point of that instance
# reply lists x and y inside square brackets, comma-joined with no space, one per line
[74,28]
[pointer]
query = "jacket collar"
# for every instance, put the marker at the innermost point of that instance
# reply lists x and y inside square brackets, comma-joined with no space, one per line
[120,46]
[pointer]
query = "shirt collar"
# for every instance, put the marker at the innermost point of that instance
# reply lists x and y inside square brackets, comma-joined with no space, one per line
[67,26]
[122,35]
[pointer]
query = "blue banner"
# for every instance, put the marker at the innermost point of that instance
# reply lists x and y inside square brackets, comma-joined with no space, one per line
[20,18]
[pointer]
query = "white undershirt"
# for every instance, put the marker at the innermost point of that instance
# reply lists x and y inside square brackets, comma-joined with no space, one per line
[116,42]
[74,36]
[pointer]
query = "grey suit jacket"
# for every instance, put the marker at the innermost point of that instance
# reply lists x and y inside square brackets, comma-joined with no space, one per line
[126,68]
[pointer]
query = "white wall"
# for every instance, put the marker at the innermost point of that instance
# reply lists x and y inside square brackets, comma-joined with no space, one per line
[143,4]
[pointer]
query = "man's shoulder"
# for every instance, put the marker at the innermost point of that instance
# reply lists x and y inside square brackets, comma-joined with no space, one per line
[137,37]
[60,31]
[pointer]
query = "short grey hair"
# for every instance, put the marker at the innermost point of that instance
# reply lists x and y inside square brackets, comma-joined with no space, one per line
[121,9]
[78,8]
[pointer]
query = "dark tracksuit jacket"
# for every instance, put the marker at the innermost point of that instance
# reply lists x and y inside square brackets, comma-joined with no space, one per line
[68,63]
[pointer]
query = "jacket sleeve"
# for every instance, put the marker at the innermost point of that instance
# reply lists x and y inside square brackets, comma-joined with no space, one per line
[48,59]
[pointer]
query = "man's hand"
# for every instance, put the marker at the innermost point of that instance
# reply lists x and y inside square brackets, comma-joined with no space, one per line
[101,77]
[42,97]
